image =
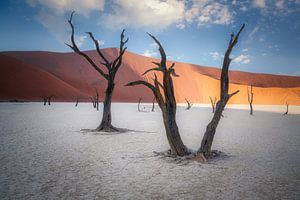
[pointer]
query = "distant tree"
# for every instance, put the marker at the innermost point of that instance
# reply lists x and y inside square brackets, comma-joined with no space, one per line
[49,99]
[209,134]
[287,109]
[164,94]
[213,103]
[76,101]
[97,100]
[153,104]
[250,99]
[140,99]
[111,67]
[45,99]
[189,105]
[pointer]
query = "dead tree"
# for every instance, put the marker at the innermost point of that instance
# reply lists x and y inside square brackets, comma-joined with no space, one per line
[250,98]
[45,100]
[76,102]
[287,109]
[93,102]
[153,104]
[111,67]
[164,94]
[49,99]
[213,103]
[224,97]
[189,104]
[140,99]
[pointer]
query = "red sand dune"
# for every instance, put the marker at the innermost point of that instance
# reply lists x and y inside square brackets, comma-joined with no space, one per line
[31,75]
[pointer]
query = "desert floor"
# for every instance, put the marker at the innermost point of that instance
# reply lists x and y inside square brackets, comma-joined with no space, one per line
[43,154]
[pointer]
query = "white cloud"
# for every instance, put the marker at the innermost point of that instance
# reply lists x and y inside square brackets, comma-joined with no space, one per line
[51,14]
[150,53]
[259,3]
[80,40]
[59,7]
[100,42]
[216,55]
[245,50]
[208,12]
[244,59]
[155,14]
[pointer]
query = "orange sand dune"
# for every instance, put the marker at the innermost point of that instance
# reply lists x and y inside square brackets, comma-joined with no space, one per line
[29,75]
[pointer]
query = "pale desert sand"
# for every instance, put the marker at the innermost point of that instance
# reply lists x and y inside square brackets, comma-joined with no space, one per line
[43,155]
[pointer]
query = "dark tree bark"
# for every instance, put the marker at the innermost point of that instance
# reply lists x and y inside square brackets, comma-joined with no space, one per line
[189,104]
[140,99]
[112,68]
[153,104]
[93,102]
[287,109]
[250,99]
[224,97]
[213,103]
[97,100]
[164,94]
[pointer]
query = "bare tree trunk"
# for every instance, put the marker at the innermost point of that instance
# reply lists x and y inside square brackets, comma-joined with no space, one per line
[153,104]
[189,104]
[105,124]
[287,109]
[166,101]
[111,66]
[209,134]
[213,103]
[97,100]
[140,99]
[250,99]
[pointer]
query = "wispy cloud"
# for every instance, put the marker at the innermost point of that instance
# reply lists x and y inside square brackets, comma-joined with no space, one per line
[150,53]
[243,59]
[216,55]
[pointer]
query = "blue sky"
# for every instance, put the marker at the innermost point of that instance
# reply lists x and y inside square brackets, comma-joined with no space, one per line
[192,31]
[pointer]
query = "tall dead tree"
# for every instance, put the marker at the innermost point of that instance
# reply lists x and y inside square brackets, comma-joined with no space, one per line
[189,104]
[164,94]
[224,97]
[140,99]
[213,103]
[250,98]
[287,109]
[153,104]
[111,67]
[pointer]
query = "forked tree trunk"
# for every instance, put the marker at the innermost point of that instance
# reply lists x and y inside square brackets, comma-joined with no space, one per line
[209,134]
[189,104]
[166,101]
